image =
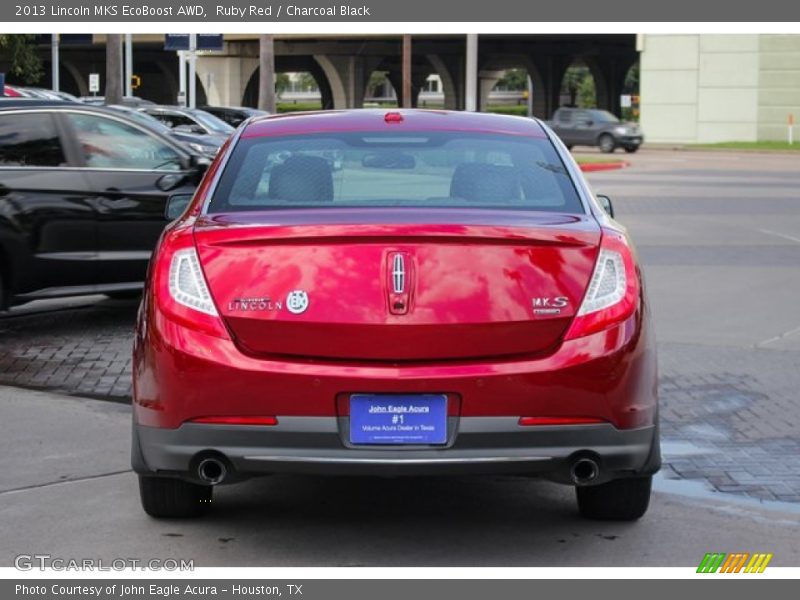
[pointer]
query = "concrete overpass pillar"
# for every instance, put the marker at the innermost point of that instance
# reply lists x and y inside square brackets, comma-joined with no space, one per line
[333,73]
[348,77]
[448,72]
[609,77]
[550,70]
[225,77]
[418,78]
[486,82]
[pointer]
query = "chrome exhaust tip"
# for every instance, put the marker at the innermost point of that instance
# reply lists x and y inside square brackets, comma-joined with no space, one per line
[584,471]
[211,471]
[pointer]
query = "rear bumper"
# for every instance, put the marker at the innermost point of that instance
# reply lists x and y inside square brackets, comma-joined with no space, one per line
[181,374]
[319,445]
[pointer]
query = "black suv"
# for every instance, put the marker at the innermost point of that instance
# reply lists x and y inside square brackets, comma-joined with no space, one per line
[595,127]
[82,198]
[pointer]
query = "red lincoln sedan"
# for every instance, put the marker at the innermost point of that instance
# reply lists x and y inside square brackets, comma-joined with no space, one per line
[394,293]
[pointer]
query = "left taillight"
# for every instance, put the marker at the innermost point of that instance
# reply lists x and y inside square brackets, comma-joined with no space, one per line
[613,292]
[187,285]
[182,292]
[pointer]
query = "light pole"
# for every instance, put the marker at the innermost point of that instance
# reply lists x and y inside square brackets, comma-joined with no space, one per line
[471,91]
[266,73]
[54,56]
[192,70]
[113,88]
[406,101]
[129,64]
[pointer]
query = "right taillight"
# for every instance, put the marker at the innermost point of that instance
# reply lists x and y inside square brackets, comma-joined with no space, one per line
[613,292]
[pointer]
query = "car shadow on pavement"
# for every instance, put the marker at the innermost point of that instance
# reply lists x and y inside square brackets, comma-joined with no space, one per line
[408,521]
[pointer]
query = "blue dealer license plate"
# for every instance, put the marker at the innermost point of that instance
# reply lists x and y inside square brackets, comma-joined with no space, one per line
[397,419]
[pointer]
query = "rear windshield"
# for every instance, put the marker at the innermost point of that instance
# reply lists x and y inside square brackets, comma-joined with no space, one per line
[442,169]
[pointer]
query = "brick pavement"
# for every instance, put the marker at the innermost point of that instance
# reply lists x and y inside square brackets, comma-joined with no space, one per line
[82,351]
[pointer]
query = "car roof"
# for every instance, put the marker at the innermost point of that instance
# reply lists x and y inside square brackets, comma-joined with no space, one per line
[377,120]
[168,107]
[241,108]
[6,103]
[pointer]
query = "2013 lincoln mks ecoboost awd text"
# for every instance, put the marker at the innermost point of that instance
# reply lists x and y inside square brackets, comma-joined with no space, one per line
[394,293]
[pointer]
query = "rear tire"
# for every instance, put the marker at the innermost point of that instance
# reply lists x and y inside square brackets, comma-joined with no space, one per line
[606,143]
[166,497]
[618,500]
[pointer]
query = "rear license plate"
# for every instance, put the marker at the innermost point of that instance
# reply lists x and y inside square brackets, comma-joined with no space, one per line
[398,419]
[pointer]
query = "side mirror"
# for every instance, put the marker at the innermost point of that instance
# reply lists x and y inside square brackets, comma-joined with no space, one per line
[200,163]
[605,202]
[169,181]
[176,204]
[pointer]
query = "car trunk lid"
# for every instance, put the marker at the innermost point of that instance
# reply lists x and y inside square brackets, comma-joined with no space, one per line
[393,285]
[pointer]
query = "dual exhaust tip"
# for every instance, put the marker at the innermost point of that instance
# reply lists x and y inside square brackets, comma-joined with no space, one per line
[213,471]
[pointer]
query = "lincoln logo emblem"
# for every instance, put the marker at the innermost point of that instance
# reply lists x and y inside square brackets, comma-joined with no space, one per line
[398,274]
[297,302]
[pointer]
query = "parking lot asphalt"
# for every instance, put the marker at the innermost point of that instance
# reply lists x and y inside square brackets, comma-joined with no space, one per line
[65,490]
[718,235]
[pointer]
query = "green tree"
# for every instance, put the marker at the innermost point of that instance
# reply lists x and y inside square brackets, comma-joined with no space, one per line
[281,83]
[25,63]
[587,95]
[514,80]
[578,85]
[306,82]
[376,80]
[631,85]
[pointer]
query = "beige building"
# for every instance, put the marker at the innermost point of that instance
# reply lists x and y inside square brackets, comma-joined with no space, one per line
[715,88]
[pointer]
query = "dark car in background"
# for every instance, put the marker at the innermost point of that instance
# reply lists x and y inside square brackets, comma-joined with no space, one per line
[595,127]
[191,120]
[207,145]
[234,115]
[82,198]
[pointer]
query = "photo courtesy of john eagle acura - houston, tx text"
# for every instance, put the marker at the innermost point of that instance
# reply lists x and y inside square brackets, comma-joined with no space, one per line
[394,292]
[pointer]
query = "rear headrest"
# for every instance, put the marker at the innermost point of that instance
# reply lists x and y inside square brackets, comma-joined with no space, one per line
[302,179]
[483,182]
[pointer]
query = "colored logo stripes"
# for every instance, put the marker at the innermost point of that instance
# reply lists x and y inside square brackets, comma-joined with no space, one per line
[738,562]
